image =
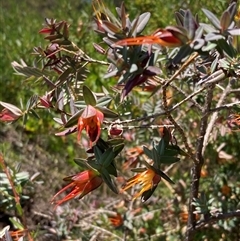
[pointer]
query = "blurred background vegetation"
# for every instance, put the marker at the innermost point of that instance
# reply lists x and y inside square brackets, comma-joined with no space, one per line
[36,148]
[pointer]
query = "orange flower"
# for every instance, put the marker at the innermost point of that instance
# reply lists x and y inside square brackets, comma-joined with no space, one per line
[17,235]
[81,184]
[90,120]
[148,179]
[116,220]
[162,37]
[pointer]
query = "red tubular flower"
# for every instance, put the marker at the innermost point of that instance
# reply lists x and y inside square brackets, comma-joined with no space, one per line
[148,180]
[162,37]
[90,120]
[81,184]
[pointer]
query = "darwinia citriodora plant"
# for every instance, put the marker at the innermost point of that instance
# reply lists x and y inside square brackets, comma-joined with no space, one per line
[191,67]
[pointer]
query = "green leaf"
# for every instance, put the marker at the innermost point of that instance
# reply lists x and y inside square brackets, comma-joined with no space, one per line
[110,28]
[107,113]
[94,165]
[147,152]
[232,10]
[184,51]
[112,169]
[98,153]
[169,159]
[19,209]
[142,22]
[118,148]
[74,119]
[107,157]
[161,147]
[35,114]
[80,162]
[115,141]
[164,176]
[104,101]
[156,157]
[179,19]
[89,96]
[147,194]
[103,145]
[108,180]
[16,223]
[212,18]
[189,24]
[228,48]
[32,102]
[80,104]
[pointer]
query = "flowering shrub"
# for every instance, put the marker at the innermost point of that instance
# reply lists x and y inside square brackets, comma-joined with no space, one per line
[183,78]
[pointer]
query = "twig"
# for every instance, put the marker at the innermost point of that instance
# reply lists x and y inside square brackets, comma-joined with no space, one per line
[136,127]
[197,166]
[160,81]
[185,64]
[213,118]
[178,127]
[227,106]
[216,217]
[160,113]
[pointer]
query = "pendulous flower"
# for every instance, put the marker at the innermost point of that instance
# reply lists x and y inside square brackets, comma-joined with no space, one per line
[148,180]
[81,184]
[90,120]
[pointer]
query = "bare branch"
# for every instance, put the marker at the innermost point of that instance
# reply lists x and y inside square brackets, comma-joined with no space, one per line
[216,217]
[213,118]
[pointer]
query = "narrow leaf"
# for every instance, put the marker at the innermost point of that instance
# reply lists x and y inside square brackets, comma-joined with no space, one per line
[107,113]
[89,96]
[212,18]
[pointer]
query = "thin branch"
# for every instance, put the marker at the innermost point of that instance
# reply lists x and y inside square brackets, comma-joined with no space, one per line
[161,81]
[213,118]
[235,91]
[216,217]
[155,115]
[136,127]
[227,106]
[185,64]
[178,127]
[197,166]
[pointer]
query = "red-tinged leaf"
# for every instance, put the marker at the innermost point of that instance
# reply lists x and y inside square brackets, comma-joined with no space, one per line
[45,30]
[14,109]
[99,48]
[225,20]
